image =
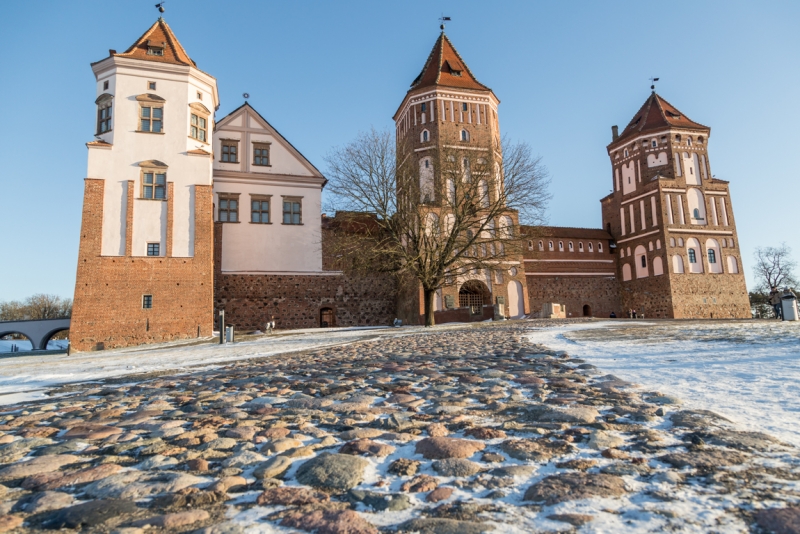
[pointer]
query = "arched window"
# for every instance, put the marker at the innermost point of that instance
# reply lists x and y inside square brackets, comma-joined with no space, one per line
[654,143]
[694,252]
[506,226]
[580,246]
[591,247]
[650,246]
[733,265]
[696,213]
[626,152]
[712,256]
[464,135]
[626,272]
[426,187]
[431,224]
[677,264]
[622,253]
[571,248]
[425,136]
[484,187]
[550,245]
[451,191]
[541,246]
[599,247]
[700,140]
[644,261]
[672,241]
[692,256]
[658,266]
[104,104]
[680,241]
[641,262]
[530,245]
[658,244]
[678,138]
[561,246]
[689,141]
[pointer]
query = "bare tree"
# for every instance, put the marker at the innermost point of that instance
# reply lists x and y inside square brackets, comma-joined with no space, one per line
[774,267]
[456,212]
[39,306]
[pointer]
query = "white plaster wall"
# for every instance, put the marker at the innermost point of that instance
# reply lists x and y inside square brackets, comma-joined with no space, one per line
[628,178]
[695,199]
[179,87]
[248,247]
[692,174]
[150,225]
[657,161]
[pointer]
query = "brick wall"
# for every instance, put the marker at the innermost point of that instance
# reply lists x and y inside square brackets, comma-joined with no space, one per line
[107,309]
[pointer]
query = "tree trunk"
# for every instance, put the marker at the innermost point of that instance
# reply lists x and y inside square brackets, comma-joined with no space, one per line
[428,295]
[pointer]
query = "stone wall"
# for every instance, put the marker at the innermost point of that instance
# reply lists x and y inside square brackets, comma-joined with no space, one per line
[107,310]
[710,296]
[600,293]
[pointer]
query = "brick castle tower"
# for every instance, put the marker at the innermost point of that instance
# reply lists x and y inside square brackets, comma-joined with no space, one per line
[145,264]
[671,220]
[448,109]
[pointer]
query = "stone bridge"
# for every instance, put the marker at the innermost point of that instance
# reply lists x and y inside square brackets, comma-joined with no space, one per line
[38,331]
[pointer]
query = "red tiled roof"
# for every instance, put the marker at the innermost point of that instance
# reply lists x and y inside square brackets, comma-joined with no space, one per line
[159,34]
[655,114]
[446,68]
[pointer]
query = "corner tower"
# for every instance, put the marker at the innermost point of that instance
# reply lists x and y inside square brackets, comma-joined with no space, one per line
[448,111]
[672,221]
[145,263]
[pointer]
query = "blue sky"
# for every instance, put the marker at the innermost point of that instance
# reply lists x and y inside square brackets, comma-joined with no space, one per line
[322,71]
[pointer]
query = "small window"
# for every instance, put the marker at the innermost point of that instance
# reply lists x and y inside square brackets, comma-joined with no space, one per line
[104,116]
[292,211]
[644,262]
[591,247]
[712,256]
[199,95]
[228,208]
[689,141]
[153,50]
[730,243]
[261,154]
[621,253]
[699,140]
[626,152]
[154,249]
[672,241]
[680,241]
[550,245]
[424,107]
[541,246]
[654,143]
[692,256]
[580,247]
[147,301]
[259,210]
[105,85]
[464,135]
[230,151]
[154,185]
[570,246]
[427,163]
[561,246]
[151,86]
[464,106]
[199,128]
[151,118]
[425,136]
[599,247]
[696,213]
[678,138]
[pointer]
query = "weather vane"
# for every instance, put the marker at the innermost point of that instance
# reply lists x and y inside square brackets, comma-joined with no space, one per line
[442,20]
[653,84]
[246,95]
[160,7]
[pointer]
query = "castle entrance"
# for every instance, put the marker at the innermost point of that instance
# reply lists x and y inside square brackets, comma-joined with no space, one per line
[474,295]
[327,318]
[587,310]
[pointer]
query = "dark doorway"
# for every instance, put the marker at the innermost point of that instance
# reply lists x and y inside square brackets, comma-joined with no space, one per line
[327,318]
[474,295]
[587,310]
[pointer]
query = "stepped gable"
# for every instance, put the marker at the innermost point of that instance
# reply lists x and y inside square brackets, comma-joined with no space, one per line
[159,34]
[656,114]
[445,67]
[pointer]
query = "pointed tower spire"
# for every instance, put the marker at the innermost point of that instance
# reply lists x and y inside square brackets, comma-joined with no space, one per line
[445,67]
[656,113]
[158,44]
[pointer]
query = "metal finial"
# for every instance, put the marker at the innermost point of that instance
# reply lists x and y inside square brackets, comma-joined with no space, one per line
[653,84]
[442,20]
[160,6]
[246,95]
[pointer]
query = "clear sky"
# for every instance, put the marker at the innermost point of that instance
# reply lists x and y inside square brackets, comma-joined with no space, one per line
[320,72]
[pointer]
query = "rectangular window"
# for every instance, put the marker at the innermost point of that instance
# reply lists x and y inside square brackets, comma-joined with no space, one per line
[424,107]
[230,151]
[104,117]
[151,119]
[464,106]
[105,85]
[154,249]
[261,154]
[259,209]
[147,301]
[198,128]
[292,211]
[155,51]
[154,185]
[151,86]
[228,208]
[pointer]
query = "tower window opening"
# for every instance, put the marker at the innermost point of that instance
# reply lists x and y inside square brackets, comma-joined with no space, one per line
[591,247]
[147,301]
[712,256]
[423,107]
[464,135]
[692,256]
[105,85]
[688,141]
[654,143]
[464,106]
[561,246]
[550,245]
[425,136]
[571,248]
[427,163]
[696,213]
[644,261]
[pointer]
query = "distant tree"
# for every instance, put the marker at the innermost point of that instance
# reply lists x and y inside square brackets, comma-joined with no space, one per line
[760,306]
[39,306]
[433,223]
[774,268]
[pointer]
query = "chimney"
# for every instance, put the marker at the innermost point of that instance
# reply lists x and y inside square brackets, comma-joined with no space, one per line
[614,133]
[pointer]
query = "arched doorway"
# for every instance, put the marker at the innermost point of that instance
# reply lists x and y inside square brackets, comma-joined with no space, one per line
[474,295]
[327,318]
[57,340]
[587,310]
[516,308]
[15,342]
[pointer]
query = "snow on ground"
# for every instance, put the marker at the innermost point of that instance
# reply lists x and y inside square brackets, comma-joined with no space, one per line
[25,345]
[25,378]
[747,371]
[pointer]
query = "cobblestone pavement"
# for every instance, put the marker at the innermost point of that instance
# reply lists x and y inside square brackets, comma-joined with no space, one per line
[449,431]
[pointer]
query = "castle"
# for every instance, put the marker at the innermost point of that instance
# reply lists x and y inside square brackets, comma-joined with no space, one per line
[185,215]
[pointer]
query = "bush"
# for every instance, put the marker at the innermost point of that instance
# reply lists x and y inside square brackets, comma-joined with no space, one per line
[39,306]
